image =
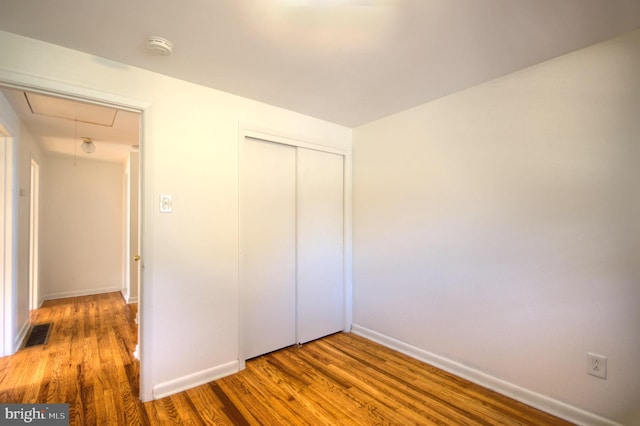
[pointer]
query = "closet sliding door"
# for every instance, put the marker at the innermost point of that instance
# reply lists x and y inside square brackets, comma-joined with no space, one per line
[268,241]
[320,231]
[291,245]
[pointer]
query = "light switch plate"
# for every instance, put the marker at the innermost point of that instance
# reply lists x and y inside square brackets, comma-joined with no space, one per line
[166,203]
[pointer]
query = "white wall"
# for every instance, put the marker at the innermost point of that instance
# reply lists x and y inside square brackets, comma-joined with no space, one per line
[28,149]
[20,149]
[498,228]
[189,294]
[9,137]
[82,238]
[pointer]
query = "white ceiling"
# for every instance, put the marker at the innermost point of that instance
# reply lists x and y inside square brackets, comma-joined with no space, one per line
[62,123]
[345,61]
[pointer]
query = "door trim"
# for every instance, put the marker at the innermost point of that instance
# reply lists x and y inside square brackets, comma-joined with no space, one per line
[34,236]
[47,86]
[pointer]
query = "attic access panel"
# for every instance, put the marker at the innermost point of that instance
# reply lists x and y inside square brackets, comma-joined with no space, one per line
[71,110]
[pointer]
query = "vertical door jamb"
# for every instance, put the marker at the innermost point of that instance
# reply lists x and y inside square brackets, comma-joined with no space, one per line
[34,235]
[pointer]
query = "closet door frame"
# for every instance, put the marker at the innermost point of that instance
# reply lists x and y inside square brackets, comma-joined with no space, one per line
[252,132]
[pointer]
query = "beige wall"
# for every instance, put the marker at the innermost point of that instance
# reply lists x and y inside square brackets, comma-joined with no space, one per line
[497,228]
[82,227]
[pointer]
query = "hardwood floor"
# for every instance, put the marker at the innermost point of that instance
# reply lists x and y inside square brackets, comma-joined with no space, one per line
[339,380]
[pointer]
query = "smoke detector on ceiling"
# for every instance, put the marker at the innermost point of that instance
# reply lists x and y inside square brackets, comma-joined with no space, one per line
[160,45]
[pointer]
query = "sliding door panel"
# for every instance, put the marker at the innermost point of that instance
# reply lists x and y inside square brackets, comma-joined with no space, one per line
[268,244]
[320,247]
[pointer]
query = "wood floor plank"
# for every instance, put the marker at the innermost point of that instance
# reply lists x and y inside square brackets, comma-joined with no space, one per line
[438,403]
[332,391]
[240,403]
[389,401]
[208,405]
[431,379]
[342,379]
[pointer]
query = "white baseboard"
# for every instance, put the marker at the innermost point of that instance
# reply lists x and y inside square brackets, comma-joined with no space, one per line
[128,298]
[21,336]
[526,396]
[83,292]
[192,380]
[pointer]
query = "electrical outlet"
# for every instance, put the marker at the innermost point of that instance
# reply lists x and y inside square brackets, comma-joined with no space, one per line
[597,365]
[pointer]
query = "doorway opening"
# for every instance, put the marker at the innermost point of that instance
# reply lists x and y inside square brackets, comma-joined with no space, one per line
[53,141]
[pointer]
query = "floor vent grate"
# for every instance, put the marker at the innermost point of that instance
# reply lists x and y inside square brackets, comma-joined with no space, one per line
[39,335]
